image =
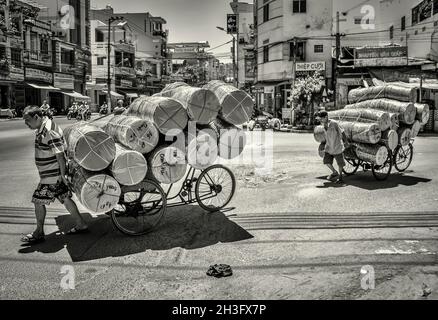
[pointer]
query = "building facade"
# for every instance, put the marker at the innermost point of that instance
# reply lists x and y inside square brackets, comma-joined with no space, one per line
[293,40]
[150,41]
[245,55]
[122,62]
[43,59]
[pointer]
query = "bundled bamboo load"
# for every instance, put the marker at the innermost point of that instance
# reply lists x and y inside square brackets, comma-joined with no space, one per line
[405,135]
[89,146]
[97,192]
[129,167]
[363,115]
[167,164]
[321,150]
[394,121]
[376,154]
[406,110]
[202,148]
[361,132]
[390,139]
[167,114]
[423,113]
[236,105]
[319,134]
[202,105]
[387,91]
[416,127]
[231,139]
[132,132]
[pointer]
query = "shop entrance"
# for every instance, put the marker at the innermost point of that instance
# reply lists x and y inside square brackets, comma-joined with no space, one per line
[57,102]
[4,94]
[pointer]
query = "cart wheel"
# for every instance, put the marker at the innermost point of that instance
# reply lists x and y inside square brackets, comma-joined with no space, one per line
[351,166]
[140,209]
[403,157]
[382,172]
[215,188]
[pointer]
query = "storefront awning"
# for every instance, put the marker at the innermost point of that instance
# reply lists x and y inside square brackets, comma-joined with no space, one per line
[132,95]
[42,87]
[114,94]
[76,95]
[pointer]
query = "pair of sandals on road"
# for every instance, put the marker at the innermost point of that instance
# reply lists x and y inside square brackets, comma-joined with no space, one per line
[336,178]
[33,239]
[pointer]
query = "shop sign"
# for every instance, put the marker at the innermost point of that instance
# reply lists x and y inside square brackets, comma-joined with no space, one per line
[250,65]
[310,66]
[125,83]
[382,56]
[269,90]
[63,81]
[38,75]
[286,113]
[231,23]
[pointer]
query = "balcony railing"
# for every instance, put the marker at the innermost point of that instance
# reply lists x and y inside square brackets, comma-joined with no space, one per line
[159,34]
[37,58]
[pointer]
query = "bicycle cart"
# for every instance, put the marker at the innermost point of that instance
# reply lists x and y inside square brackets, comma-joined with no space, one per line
[380,172]
[141,208]
[400,159]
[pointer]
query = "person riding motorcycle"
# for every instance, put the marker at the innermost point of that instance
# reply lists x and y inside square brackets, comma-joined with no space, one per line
[120,108]
[73,111]
[86,115]
[45,108]
[103,108]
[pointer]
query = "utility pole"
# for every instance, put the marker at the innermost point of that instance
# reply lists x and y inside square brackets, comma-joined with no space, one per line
[108,96]
[294,74]
[237,49]
[110,20]
[234,61]
[407,49]
[338,55]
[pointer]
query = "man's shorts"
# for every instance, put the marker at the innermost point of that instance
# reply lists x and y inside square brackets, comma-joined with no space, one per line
[45,194]
[328,159]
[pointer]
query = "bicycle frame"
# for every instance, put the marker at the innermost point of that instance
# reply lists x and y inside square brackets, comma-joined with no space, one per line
[186,191]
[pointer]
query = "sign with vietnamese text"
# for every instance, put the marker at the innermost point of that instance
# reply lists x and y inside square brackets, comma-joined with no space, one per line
[63,81]
[231,23]
[310,66]
[38,75]
[381,56]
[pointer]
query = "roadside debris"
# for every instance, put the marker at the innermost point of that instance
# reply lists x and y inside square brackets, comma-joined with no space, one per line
[220,271]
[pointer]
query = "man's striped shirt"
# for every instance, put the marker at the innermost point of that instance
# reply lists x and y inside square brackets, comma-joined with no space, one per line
[48,143]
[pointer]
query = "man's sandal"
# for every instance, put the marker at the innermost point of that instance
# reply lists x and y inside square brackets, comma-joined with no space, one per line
[75,231]
[31,239]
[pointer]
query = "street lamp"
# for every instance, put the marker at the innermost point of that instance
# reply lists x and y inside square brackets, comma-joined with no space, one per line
[235,68]
[110,20]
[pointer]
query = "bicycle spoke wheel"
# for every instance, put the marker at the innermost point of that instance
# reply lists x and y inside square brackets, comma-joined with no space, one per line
[382,172]
[215,188]
[403,157]
[141,209]
[351,166]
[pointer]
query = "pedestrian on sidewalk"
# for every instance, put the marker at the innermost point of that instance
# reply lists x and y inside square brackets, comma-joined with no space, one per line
[336,142]
[51,165]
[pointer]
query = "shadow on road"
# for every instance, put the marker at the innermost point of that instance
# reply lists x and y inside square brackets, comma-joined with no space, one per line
[186,227]
[365,180]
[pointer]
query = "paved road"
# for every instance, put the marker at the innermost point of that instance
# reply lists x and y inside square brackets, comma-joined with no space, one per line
[291,234]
